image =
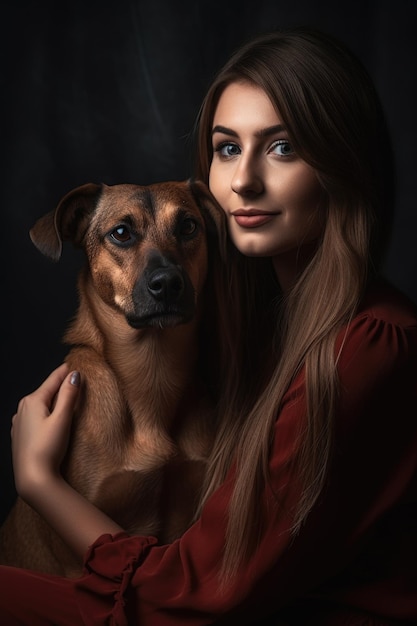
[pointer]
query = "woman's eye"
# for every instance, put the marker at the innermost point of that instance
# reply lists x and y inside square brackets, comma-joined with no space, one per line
[121,234]
[227,150]
[282,148]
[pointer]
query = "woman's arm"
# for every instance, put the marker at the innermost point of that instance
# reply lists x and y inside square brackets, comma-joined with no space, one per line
[362,518]
[40,434]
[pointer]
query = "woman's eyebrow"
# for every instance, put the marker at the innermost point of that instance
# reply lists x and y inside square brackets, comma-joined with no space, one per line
[263,132]
[224,130]
[271,130]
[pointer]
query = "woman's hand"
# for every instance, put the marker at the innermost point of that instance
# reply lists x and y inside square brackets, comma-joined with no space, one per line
[41,429]
[40,434]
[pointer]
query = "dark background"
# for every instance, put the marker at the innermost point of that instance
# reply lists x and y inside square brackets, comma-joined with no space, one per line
[108,92]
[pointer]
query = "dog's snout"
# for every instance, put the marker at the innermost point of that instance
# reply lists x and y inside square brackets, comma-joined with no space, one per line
[166,284]
[163,295]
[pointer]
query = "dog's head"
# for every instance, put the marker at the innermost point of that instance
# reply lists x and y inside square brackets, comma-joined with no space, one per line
[147,247]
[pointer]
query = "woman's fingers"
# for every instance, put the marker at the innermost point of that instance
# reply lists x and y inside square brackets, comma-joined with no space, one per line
[67,395]
[48,390]
[41,427]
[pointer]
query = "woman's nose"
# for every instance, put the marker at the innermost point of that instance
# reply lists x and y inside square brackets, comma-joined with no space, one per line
[247,178]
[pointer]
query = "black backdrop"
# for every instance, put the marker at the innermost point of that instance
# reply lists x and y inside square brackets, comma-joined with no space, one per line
[108,92]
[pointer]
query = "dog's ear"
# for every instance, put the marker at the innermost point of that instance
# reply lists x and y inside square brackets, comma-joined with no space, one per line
[213,214]
[68,222]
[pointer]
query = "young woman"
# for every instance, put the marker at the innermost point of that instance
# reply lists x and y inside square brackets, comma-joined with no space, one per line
[309,514]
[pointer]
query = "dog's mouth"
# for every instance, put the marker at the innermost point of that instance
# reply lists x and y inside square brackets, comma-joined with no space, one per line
[159,320]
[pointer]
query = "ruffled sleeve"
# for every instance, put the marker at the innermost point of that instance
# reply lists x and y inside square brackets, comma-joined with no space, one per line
[110,564]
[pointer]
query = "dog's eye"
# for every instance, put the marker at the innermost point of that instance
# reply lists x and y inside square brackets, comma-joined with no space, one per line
[121,234]
[188,227]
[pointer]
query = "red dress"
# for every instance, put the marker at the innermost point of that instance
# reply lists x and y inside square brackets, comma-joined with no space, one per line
[353,562]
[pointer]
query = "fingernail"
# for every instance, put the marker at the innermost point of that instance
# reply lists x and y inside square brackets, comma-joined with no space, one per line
[75,379]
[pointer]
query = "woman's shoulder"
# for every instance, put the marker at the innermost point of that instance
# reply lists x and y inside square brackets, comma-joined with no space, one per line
[383,333]
[385,303]
[377,368]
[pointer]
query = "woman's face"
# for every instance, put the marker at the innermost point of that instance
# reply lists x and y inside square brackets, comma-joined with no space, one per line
[270,196]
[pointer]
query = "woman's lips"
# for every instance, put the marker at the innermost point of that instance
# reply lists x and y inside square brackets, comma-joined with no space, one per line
[251,219]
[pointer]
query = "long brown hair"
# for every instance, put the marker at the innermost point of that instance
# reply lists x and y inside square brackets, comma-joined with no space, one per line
[336,124]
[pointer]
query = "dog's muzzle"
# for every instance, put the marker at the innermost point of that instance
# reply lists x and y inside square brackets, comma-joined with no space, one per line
[163,296]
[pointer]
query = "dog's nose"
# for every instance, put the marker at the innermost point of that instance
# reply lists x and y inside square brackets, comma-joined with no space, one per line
[166,284]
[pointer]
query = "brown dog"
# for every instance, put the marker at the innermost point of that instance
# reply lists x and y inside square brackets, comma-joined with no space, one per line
[144,425]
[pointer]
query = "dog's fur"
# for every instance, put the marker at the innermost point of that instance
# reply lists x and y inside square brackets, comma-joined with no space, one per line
[144,424]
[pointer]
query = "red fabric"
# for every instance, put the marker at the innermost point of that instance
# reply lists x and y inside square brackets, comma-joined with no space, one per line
[31,599]
[354,561]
